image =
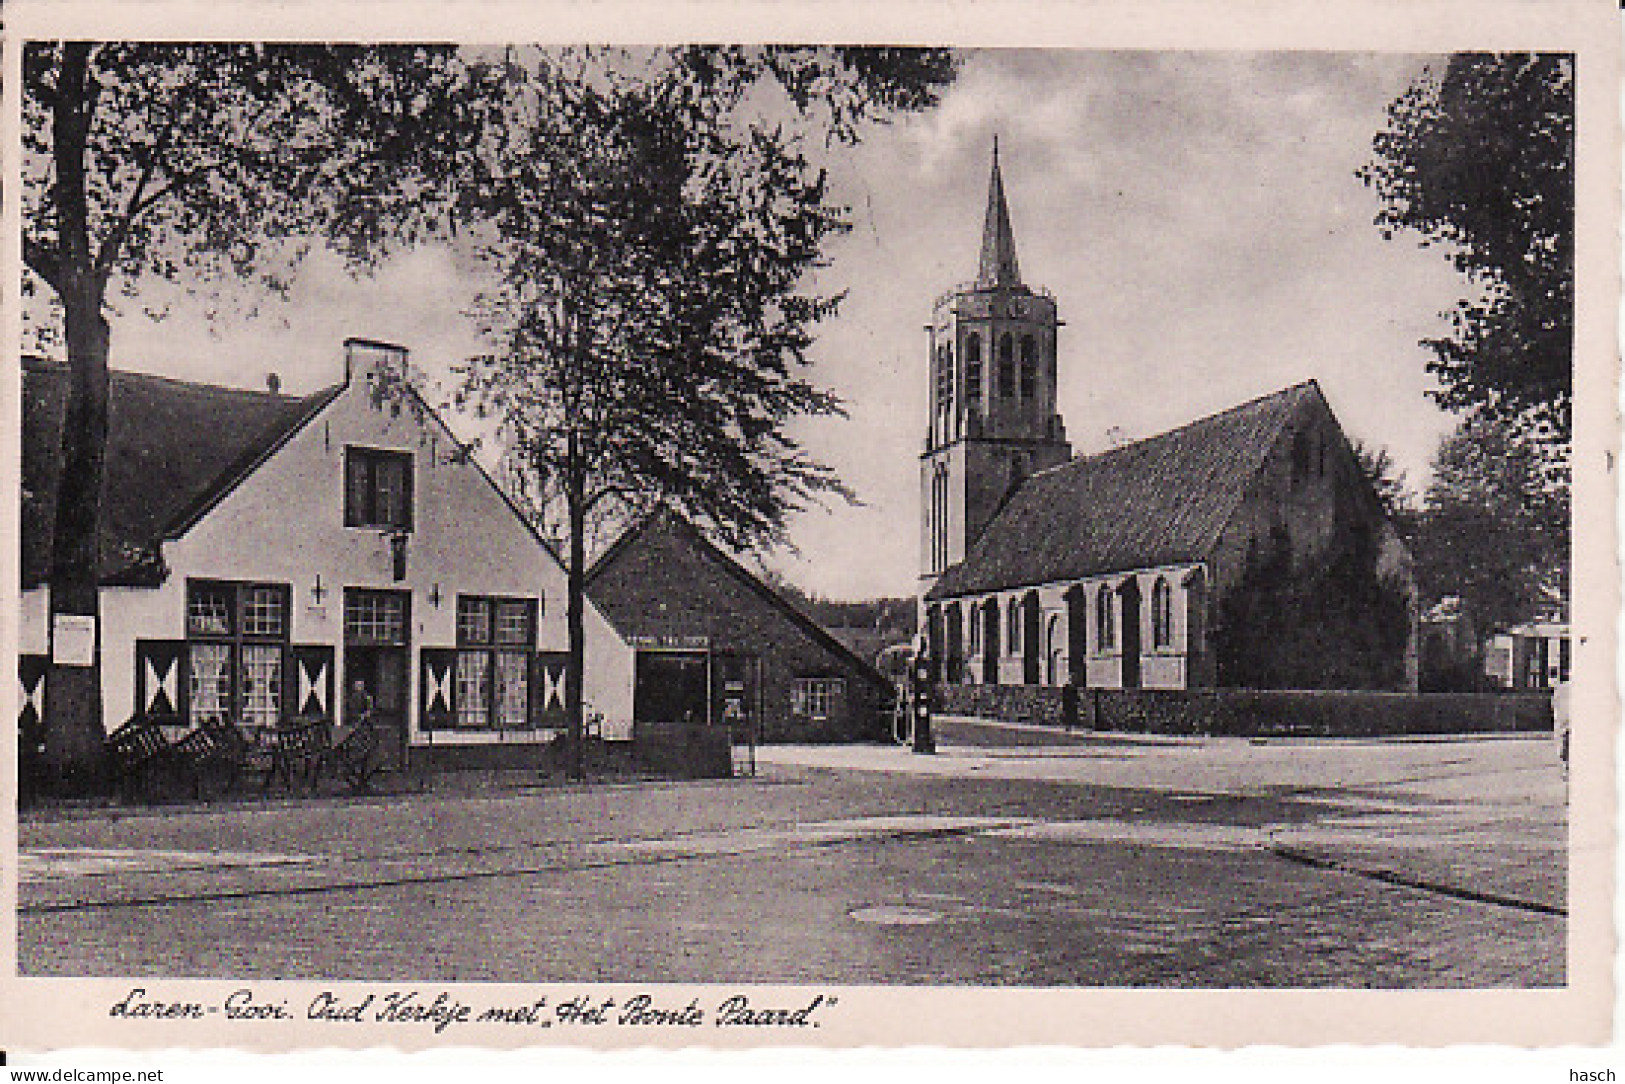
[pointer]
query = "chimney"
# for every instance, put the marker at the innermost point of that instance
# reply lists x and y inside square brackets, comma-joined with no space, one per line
[273,383]
[364,358]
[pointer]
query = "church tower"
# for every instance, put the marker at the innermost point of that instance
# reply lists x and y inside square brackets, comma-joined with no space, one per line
[993,418]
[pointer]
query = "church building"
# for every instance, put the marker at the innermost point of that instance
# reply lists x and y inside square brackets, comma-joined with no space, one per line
[1245,549]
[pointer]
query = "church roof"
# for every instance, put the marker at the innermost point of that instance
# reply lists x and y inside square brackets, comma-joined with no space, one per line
[998,265]
[1158,501]
[174,449]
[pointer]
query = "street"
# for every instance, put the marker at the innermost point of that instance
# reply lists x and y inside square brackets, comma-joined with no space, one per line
[1014,857]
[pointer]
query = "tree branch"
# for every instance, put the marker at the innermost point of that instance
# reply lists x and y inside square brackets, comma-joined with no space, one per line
[134,208]
[44,261]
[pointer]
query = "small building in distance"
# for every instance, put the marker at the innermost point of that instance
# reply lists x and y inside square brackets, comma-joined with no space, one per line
[715,645]
[260,553]
[1535,655]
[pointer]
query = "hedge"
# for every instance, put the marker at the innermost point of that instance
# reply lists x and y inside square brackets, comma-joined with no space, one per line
[1257,712]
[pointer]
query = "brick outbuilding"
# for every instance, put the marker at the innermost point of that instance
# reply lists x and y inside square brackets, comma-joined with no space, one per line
[714,644]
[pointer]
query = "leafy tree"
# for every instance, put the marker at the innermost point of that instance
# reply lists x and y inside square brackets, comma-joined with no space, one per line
[1389,484]
[1495,525]
[1480,159]
[211,165]
[1335,622]
[649,238]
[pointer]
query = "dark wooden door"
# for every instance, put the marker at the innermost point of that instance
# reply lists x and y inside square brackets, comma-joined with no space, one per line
[734,694]
[382,672]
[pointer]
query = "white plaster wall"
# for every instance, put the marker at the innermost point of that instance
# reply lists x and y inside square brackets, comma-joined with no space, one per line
[33,636]
[285,524]
[1159,669]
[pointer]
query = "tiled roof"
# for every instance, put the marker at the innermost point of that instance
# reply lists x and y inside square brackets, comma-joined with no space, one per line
[624,599]
[173,450]
[1162,500]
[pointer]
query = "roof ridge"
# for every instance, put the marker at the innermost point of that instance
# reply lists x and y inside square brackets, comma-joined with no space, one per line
[202,385]
[1217,415]
[738,571]
[1159,466]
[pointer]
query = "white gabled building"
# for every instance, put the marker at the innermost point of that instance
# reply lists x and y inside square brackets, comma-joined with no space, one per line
[260,553]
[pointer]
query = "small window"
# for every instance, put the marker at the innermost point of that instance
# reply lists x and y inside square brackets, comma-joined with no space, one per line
[973,370]
[975,637]
[1300,456]
[1007,367]
[1012,628]
[265,611]
[377,489]
[1162,614]
[1029,367]
[1105,621]
[210,608]
[473,621]
[374,617]
[816,697]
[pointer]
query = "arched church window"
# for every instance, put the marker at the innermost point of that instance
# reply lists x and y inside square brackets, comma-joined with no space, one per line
[1162,614]
[975,637]
[973,370]
[1055,648]
[1105,620]
[1012,628]
[945,376]
[1029,367]
[1007,366]
[939,518]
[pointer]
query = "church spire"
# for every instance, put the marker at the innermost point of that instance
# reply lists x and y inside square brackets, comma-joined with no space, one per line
[998,266]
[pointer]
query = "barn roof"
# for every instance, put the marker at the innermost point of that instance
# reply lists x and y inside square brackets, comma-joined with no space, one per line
[1158,501]
[174,449]
[623,609]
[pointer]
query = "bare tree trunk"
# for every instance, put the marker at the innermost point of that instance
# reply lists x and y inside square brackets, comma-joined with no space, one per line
[575,667]
[73,718]
[73,710]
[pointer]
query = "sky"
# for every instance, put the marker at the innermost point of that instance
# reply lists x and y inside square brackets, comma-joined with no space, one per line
[1197,217]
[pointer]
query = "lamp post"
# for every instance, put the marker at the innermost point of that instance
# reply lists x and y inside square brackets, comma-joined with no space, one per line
[920,689]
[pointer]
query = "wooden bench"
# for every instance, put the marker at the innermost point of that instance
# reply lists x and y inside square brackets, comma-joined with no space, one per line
[135,752]
[216,746]
[353,756]
[298,750]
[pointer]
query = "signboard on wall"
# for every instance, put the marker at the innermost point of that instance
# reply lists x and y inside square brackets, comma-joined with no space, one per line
[73,640]
[676,643]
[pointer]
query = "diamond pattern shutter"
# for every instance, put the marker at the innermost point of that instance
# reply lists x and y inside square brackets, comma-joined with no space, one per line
[31,671]
[439,692]
[161,680]
[309,682]
[547,705]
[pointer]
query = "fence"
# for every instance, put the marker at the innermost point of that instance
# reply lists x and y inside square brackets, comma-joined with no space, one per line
[1257,712]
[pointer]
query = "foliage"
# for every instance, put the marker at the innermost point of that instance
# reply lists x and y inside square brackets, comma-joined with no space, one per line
[1480,159]
[1331,623]
[218,164]
[1390,485]
[1495,525]
[648,238]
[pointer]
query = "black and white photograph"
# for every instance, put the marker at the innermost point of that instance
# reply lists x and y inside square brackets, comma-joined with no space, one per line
[534,541]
